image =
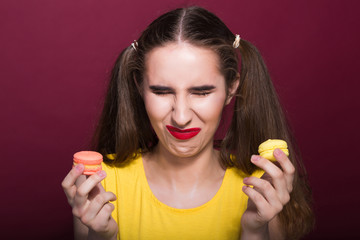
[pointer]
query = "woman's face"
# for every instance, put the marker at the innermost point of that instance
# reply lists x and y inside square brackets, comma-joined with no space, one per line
[184,95]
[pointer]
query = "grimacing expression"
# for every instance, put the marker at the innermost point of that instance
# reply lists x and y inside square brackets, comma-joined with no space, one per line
[184,89]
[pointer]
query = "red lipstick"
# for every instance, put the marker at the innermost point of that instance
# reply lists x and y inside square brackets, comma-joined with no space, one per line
[183,134]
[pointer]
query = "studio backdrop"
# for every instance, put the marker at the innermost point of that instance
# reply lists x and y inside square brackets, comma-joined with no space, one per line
[55,61]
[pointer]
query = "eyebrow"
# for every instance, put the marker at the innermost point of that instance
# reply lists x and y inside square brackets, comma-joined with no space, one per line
[159,88]
[197,88]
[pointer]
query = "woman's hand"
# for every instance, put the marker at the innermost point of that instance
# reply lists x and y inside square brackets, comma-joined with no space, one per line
[269,195]
[90,203]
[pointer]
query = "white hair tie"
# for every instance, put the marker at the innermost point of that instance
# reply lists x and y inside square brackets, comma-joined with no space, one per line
[135,45]
[236,43]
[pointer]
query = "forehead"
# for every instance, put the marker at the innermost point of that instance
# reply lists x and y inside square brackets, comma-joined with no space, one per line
[182,63]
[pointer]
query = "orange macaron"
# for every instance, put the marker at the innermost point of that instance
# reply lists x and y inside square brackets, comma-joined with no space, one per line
[91,161]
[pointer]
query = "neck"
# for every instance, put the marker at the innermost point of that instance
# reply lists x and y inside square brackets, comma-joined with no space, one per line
[183,182]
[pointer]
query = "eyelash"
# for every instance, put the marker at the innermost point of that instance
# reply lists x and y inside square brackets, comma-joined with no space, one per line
[161,93]
[202,93]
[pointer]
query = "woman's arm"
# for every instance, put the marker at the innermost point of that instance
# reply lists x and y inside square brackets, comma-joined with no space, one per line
[271,231]
[275,229]
[80,230]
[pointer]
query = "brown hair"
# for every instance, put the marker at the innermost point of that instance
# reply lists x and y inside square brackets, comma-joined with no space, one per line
[124,127]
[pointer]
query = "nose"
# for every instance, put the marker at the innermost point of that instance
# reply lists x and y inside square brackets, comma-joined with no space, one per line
[181,112]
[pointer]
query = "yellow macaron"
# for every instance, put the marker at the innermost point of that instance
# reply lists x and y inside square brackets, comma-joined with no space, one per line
[266,149]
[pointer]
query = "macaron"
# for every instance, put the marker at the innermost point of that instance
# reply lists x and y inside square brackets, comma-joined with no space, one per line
[91,161]
[266,149]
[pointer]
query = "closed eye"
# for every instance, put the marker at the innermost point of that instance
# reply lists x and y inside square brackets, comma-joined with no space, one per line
[198,91]
[202,90]
[202,93]
[162,92]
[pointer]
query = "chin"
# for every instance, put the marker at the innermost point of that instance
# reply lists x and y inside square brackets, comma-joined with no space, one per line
[183,151]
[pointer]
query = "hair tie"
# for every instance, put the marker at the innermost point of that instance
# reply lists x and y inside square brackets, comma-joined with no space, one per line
[135,45]
[236,43]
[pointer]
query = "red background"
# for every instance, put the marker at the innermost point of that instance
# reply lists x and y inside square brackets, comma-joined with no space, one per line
[55,57]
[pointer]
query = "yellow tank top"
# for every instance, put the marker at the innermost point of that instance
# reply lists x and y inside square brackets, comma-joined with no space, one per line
[140,215]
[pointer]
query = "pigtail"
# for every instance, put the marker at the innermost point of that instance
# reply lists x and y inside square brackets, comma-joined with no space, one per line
[127,137]
[258,116]
[257,112]
[122,118]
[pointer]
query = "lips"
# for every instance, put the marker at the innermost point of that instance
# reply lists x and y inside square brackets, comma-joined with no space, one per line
[183,134]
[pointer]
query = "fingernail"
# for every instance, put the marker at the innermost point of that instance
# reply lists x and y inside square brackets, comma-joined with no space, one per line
[79,167]
[101,173]
[254,158]
[245,179]
[277,151]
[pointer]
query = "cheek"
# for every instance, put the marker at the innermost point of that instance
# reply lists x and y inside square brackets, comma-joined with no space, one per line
[211,108]
[157,108]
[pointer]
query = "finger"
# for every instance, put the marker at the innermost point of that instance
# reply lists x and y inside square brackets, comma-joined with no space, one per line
[98,189]
[96,205]
[264,209]
[84,189]
[68,184]
[266,190]
[104,217]
[276,174]
[287,166]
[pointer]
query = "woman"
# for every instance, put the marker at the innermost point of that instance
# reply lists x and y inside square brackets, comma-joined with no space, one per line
[164,174]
